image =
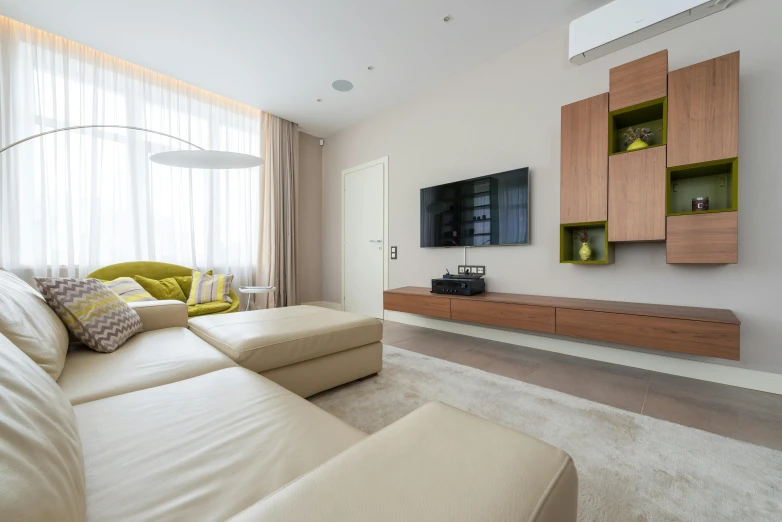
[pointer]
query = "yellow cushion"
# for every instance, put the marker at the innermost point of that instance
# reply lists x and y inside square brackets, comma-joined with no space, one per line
[213,307]
[207,288]
[163,289]
[185,282]
[129,290]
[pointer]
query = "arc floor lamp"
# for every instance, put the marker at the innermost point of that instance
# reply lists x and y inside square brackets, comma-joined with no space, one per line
[188,159]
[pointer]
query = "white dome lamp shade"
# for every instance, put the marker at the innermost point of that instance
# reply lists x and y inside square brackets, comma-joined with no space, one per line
[206,159]
[187,159]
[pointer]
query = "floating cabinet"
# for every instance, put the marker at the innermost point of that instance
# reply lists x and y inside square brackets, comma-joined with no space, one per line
[703,112]
[661,333]
[639,81]
[421,304]
[523,317]
[584,163]
[636,196]
[716,180]
[569,244]
[652,114]
[703,238]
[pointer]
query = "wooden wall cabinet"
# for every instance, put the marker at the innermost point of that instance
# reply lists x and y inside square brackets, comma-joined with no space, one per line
[639,81]
[523,317]
[661,333]
[584,161]
[703,111]
[699,331]
[636,196]
[703,238]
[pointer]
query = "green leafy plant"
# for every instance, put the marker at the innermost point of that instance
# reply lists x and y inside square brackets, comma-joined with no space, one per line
[636,133]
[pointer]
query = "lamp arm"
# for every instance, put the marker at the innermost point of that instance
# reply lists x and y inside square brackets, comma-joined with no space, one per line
[97,127]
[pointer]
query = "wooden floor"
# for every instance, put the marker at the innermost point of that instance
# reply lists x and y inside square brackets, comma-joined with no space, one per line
[738,413]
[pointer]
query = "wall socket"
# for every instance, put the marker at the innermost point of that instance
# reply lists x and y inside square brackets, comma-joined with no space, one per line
[472,269]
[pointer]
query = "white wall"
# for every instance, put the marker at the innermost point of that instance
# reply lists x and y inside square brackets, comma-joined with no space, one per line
[506,114]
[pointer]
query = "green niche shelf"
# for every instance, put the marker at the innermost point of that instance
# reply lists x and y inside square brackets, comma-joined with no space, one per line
[717,180]
[569,245]
[652,115]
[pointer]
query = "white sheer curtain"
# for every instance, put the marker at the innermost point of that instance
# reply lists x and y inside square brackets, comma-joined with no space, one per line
[73,201]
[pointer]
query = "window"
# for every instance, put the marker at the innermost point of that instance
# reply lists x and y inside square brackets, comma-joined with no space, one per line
[77,200]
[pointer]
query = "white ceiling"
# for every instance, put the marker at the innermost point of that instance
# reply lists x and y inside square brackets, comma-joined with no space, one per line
[282,55]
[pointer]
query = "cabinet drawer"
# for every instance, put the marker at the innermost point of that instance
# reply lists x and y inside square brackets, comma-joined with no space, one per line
[418,304]
[674,335]
[703,238]
[523,317]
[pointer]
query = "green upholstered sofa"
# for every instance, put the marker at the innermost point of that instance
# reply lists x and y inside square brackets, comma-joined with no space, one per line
[154,270]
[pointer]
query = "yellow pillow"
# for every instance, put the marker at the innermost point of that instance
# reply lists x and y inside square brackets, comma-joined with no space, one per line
[129,290]
[185,282]
[163,289]
[207,288]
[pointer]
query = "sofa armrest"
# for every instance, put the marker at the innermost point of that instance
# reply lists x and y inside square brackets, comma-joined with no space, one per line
[438,464]
[161,314]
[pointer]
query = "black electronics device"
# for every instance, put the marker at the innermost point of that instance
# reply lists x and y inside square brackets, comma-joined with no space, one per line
[459,284]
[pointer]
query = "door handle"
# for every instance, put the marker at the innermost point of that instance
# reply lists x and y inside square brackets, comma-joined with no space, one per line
[375,240]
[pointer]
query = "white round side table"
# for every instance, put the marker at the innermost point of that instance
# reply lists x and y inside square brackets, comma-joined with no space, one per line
[255,290]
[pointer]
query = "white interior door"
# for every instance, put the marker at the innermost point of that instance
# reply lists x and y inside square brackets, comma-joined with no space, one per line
[363,240]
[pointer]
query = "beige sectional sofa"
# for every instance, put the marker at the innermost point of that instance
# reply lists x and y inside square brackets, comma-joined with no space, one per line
[170,428]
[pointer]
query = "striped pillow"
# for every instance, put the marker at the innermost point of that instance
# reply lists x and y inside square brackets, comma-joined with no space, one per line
[208,288]
[129,290]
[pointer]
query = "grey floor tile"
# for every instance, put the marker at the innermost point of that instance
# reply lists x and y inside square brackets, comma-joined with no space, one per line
[611,384]
[738,413]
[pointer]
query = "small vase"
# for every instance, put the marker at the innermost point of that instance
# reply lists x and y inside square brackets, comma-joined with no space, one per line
[585,252]
[637,145]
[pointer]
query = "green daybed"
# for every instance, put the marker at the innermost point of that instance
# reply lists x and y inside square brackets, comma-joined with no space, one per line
[157,270]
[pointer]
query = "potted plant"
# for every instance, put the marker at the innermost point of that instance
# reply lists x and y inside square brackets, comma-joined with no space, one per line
[636,138]
[585,252]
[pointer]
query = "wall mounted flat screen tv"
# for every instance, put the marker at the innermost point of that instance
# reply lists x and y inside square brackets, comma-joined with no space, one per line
[484,211]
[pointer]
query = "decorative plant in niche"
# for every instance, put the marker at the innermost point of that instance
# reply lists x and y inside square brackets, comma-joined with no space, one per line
[585,252]
[636,138]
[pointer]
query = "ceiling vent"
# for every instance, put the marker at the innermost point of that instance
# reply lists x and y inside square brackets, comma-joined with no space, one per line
[626,22]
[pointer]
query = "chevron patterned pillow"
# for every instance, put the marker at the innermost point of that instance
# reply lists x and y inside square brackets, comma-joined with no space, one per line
[95,314]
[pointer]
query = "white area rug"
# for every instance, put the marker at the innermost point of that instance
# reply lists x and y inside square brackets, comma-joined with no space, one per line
[631,468]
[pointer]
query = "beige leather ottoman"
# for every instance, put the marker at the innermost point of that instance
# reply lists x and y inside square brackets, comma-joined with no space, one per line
[306,349]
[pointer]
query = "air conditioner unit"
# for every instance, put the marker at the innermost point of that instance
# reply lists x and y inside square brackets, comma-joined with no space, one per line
[625,22]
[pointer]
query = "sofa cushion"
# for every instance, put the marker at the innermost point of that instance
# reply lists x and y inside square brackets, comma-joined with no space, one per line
[213,307]
[437,464]
[164,289]
[129,290]
[201,449]
[146,360]
[41,464]
[92,312]
[262,340]
[31,325]
[207,288]
[186,282]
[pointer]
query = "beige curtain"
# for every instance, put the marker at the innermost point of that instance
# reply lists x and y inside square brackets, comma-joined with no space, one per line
[277,245]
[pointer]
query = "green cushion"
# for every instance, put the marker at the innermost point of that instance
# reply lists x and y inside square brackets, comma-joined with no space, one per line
[166,288]
[212,307]
[186,282]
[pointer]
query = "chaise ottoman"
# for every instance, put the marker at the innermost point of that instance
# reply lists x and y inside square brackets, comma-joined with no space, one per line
[306,349]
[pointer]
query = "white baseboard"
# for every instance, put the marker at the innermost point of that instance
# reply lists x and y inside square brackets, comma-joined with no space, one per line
[325,304]
[730,375]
